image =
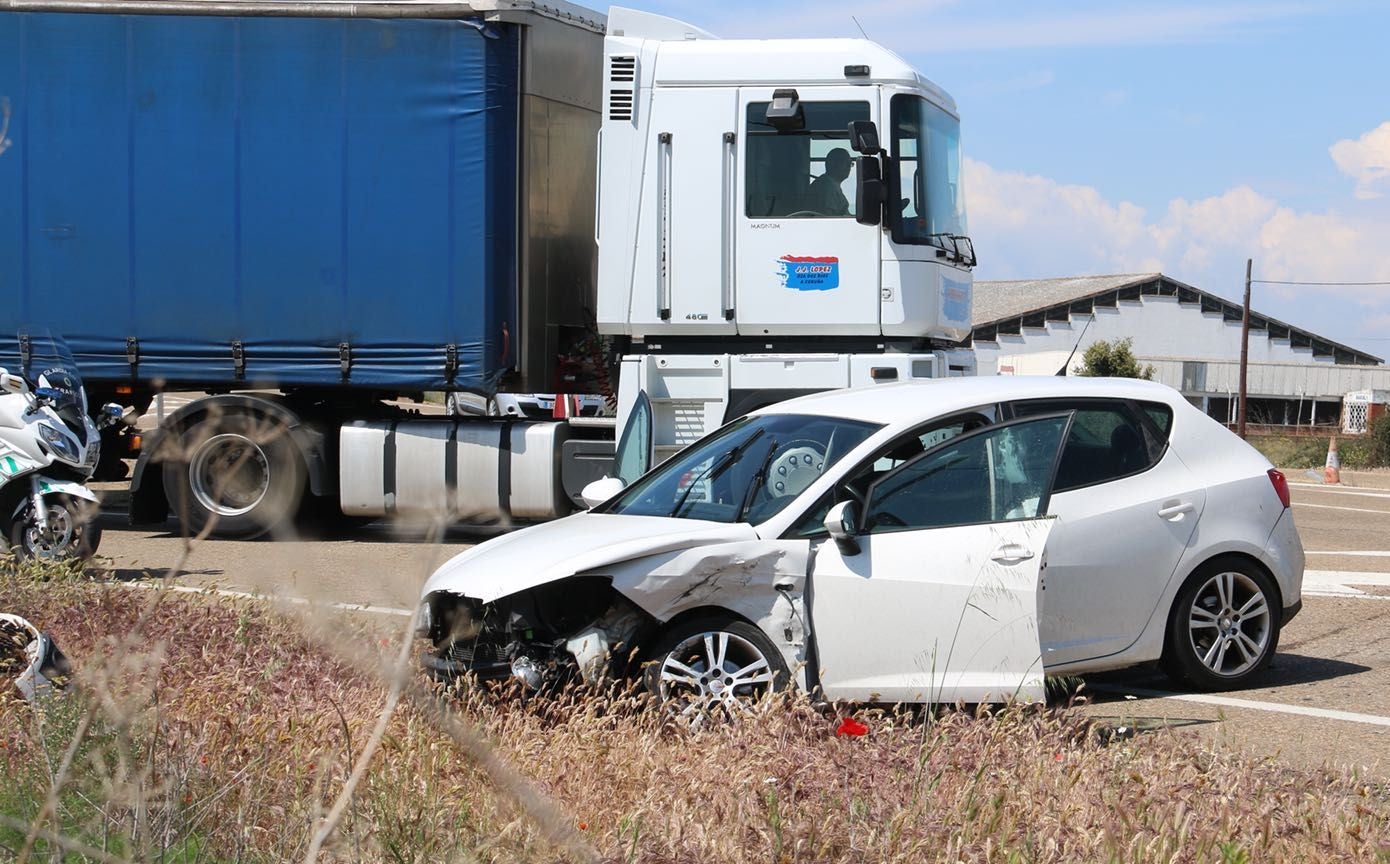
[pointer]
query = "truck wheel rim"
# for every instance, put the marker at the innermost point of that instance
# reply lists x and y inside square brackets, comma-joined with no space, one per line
[713,673]
[1229,624]
[229,475]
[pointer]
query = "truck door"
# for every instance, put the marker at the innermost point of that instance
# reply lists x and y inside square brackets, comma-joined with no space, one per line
[690,164]
[804,265]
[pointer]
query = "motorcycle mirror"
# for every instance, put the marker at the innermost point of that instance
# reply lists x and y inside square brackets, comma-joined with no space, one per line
[111,414]
[12,383]
[48,394]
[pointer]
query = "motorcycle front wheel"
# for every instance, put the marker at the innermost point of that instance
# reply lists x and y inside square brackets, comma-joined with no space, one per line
[72,534]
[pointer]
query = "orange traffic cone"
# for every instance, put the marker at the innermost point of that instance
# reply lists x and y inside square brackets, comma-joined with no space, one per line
[1332,473]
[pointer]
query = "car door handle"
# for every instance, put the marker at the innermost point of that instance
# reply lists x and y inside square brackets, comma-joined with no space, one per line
[1011,552]
[1172,509]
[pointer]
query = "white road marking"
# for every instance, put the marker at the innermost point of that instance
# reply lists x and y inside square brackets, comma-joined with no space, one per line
[1363,554]
[246,595]
[1342,490]
[1338,583]
[1332,507]
[1252,705]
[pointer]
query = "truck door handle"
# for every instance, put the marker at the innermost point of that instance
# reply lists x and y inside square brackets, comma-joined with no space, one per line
[1174,509]
[1010,553]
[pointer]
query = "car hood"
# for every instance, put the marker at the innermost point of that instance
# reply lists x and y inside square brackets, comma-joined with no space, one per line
[576,544]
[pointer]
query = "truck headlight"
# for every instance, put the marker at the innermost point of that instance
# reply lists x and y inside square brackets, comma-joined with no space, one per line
[58,442]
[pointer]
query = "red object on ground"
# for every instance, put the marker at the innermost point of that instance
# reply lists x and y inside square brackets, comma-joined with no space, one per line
[850,726]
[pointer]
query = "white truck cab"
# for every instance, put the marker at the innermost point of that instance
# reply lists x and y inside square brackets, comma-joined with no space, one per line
[774,217]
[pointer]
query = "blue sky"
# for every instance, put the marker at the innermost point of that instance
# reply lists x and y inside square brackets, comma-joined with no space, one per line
[1111,137]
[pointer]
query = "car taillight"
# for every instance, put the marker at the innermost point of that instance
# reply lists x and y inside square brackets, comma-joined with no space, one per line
[1281,486]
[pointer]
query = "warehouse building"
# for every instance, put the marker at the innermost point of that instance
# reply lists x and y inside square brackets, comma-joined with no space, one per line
[1190,337]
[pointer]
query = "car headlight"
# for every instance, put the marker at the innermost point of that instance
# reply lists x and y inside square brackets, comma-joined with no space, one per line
[60,443]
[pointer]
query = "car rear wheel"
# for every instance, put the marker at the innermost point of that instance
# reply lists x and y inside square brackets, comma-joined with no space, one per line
[714,668]
[1224,627]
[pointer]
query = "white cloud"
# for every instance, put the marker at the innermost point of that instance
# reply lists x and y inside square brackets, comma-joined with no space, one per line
[1366,160]
[941,26]
[1026,226]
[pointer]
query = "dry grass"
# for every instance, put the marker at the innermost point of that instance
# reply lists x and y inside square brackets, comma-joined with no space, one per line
[226,733]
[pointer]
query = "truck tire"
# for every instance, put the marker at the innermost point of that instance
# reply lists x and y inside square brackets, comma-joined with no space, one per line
[235,475]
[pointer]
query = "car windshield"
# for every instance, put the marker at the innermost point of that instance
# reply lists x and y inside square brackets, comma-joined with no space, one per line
[746,472]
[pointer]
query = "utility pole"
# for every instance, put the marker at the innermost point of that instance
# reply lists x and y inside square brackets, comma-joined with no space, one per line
[1244,351]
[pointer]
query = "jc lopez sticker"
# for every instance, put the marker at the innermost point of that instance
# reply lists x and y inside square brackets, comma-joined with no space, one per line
[809,272]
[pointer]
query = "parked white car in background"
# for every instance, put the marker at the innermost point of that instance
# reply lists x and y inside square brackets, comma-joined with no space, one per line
[921,542]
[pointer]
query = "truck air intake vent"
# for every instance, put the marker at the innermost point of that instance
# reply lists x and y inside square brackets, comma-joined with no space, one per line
[620,105]
[621,71]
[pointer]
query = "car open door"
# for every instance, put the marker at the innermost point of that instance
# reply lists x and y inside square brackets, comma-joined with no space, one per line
[934,596]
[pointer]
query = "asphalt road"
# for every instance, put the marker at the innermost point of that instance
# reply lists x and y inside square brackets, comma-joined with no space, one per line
[1325,699]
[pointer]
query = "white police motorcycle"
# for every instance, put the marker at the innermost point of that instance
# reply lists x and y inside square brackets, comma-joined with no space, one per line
[48,450]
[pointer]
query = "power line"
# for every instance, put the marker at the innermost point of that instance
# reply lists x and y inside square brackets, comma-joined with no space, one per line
[1278,282]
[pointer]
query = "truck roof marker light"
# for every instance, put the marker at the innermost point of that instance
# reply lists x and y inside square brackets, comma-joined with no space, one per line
[859,70]
[784,112]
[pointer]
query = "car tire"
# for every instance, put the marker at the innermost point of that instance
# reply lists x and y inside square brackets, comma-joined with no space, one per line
[262,494]
[74,533]
[1224,625]
[712,668]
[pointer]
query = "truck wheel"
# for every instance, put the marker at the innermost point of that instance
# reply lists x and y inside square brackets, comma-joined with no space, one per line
[238,473]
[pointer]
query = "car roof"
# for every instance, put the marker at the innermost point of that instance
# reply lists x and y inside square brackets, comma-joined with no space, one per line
[913,401]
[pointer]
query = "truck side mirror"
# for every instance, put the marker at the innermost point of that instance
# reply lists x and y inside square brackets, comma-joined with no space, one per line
[842,524]
[12,383]
[869,191]
[863,137]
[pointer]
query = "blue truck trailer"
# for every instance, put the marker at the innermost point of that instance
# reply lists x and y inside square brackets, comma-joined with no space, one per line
[342,202]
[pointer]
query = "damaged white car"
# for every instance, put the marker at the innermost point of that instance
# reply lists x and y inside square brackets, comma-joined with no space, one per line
[939,541]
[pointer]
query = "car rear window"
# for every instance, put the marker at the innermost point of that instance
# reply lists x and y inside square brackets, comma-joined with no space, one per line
[1161,415]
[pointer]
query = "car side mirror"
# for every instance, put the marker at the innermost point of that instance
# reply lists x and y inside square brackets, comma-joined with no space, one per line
[842,524]
[869,191]
[601,490]
[12,383]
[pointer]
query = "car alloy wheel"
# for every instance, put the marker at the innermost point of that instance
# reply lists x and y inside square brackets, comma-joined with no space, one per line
[1224,626]
[715,670]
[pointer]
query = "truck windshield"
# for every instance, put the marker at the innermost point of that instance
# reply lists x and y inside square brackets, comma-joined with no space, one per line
[926,146]
[746,472]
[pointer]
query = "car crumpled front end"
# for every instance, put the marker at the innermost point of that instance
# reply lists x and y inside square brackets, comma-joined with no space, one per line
[540,635]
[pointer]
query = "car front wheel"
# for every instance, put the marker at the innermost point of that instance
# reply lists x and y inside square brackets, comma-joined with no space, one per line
[714,668]
[1224,627]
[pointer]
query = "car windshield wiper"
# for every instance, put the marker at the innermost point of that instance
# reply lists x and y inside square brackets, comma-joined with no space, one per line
[757,481]
[715,468]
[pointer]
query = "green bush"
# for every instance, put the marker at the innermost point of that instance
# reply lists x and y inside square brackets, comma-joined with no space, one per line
[1356,454]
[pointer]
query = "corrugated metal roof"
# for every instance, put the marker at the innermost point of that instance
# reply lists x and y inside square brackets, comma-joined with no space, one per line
[999,306]
[996,301]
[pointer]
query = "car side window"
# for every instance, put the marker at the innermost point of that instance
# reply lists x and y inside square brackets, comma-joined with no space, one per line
[1107,441]
[999,474]
[890,456]
[1162,417]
